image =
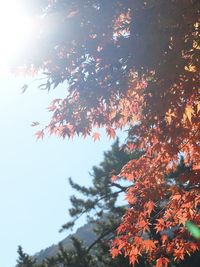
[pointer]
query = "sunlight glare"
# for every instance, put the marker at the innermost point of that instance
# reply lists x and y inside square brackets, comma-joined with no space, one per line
[16,28]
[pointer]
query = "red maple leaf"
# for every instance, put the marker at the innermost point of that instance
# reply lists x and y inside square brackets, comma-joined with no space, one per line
[96,136]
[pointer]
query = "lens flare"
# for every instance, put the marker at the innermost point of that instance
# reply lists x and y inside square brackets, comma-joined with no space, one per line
[16,28]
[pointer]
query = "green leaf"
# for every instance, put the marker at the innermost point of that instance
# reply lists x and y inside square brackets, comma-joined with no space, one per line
[193,229]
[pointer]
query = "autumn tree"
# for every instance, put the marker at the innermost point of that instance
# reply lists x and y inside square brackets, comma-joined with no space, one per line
[132,64]
[100,201]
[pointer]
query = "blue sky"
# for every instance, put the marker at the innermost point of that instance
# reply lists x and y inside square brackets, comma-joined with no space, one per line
[34,190]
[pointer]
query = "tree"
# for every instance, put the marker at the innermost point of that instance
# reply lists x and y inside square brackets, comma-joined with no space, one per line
[132,64]
[99,201]
[75,257]
[24,259]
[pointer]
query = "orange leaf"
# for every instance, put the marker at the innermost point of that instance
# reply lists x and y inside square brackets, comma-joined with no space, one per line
[160,225]
[115,252]
[149,206]
[149,245]
[114,178]
[40,135]
[162,262]
[111,132]
[131,146]
[96,136]
[133,259]
[144,225]
[133,255]
[164,238]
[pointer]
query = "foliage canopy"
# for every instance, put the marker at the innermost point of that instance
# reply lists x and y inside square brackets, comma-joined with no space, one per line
[132,64]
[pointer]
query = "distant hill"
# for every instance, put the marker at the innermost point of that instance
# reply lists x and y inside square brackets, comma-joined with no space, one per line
[84,233]
[87,235]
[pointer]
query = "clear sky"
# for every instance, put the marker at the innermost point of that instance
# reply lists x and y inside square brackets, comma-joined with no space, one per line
[34,190]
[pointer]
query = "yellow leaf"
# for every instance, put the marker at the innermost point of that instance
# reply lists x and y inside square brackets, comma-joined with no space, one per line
[196,45]
[196,25]
[198,106]
[189,112]
[190,68]
[169,116]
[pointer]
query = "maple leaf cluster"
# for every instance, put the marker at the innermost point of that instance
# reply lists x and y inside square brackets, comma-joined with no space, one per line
[134,65]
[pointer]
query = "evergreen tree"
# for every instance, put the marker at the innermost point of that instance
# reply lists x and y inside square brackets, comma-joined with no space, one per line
[100,202]
[101,197]
[24,259]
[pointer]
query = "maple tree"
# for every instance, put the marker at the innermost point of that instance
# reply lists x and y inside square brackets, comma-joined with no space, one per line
[131,64]
[100,201]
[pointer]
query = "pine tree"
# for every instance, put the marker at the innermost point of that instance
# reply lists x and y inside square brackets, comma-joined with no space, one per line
[100,202]
[102,196]
[24,259]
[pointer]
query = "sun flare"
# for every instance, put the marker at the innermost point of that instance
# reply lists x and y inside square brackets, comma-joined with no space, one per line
[16,27]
